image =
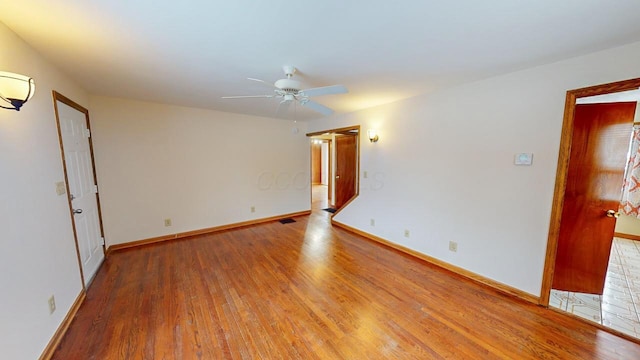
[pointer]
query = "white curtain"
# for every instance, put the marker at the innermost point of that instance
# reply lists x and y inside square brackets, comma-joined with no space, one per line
[630,204]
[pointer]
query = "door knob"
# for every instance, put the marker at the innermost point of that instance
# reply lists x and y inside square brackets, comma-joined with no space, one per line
[77,211]
[337,176]
[613,214]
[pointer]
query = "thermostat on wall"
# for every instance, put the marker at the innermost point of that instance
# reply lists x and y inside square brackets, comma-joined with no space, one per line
[523,159]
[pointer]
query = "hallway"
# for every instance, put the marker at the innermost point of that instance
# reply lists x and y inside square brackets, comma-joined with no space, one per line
[319,197]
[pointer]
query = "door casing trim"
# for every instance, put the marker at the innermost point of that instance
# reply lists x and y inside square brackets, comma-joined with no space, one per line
[343,130]
[561,173]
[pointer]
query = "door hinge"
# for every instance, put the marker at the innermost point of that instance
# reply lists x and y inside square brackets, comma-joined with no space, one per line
[87,133]
[95,189]
[102,240]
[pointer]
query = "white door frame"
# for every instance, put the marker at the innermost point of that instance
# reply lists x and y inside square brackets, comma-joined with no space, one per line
[57,97]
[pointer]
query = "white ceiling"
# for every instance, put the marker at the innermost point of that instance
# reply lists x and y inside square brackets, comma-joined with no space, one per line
[192,52]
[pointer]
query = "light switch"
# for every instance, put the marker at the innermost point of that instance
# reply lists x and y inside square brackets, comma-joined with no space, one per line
[61,189]
[523,159]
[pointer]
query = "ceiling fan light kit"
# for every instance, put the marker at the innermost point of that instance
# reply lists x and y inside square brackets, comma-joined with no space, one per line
[288,85]
[290,90]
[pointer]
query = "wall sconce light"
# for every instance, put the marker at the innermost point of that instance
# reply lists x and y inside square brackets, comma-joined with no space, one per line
[373,135]
[15,90]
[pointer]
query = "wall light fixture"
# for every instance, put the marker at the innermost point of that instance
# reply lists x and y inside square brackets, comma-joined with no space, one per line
[373,135]
[15,90]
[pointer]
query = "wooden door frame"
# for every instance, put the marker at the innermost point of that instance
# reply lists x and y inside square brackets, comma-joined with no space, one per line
[330,175]
[561,173]
[343,130]
[65,100]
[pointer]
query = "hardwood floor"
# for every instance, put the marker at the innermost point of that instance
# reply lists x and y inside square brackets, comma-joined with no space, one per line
[305,290]
[319,197]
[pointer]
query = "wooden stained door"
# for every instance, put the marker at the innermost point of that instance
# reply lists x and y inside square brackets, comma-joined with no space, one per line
[597,162]
[316,163]
[81,185]
[346,168]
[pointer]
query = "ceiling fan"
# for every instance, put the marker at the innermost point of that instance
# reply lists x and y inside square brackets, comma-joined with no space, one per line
[290,91]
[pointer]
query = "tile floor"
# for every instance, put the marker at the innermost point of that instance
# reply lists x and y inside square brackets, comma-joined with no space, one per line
[619,306]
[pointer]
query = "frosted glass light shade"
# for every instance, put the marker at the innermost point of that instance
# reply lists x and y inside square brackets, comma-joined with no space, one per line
[15,90]
[373,135]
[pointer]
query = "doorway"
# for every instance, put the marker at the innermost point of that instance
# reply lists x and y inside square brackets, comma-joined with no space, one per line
[81,186]
[321,148]
[334,168]
[564,196]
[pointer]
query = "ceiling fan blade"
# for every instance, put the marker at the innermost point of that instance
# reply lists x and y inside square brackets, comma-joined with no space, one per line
[247,96]
[263,82]
[283,107]
[325,90]
[317,107]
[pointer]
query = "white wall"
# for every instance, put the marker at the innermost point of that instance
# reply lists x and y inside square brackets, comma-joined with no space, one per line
[443,167]
[201,168]
[38,256]
[629,225]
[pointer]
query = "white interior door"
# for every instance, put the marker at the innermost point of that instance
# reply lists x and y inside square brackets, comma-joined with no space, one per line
[82,188]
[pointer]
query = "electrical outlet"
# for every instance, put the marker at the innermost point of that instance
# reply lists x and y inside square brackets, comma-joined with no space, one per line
[52,304]
[453,246]
[167,222]
[253,209]
[365,174]
[407,233]
[373,222]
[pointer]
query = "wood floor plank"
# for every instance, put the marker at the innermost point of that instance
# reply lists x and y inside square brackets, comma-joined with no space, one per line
[305,290]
